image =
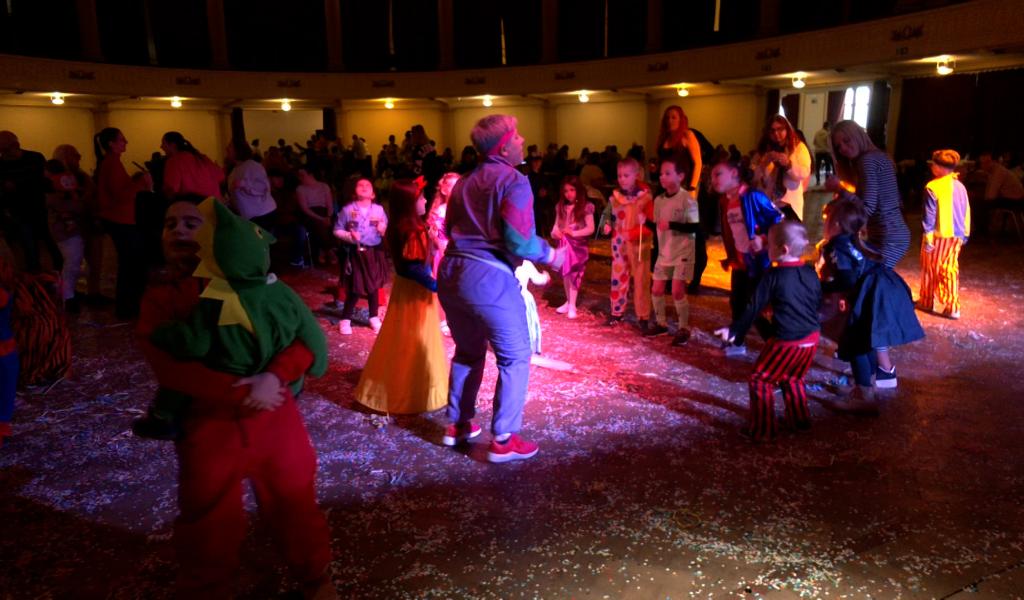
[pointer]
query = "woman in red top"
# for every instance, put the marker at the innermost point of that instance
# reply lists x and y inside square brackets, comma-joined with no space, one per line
[187,170]
[115,197]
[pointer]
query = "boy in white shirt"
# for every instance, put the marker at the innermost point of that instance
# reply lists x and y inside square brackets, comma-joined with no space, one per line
[676,217]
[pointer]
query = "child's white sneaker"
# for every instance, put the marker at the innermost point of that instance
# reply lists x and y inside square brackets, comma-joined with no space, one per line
[734,351]
[345,327]
[572,313]
[375,324]
[563,309]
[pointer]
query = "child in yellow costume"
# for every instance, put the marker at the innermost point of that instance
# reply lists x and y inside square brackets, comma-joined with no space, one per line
[407,371]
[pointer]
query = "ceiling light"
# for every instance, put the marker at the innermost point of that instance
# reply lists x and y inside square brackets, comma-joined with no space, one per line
[584,97]
[389,104]
[488,101]
[175,102]
[682,91]
[57,98]
[799,81]
[286,105]
[945,64]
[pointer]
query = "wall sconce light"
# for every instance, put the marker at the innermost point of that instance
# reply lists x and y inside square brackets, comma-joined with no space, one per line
[584,97]
[175,102]
[945,65]
[682,91]
[57,98]
[389,104]
[799,81]
[488,101]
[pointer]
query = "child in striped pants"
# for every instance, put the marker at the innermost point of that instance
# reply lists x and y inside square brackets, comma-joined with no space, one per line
[792,288]
[947,225]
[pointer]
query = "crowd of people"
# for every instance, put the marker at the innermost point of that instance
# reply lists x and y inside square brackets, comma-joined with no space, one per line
[230,343]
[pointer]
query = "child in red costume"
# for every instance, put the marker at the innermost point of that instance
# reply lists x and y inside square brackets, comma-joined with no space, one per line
[236,429]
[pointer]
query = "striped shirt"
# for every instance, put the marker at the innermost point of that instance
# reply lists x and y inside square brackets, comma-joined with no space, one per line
[879,195]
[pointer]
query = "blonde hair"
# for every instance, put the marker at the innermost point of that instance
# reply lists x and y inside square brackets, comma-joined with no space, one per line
[846,167]
[489,130]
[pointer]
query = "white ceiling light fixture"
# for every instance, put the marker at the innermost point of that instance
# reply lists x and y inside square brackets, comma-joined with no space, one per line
[945,65]
[682,91]
[799,80]
[57,98]
[488,101]
[584,96]
[389,104]
[286,105]
[175,102]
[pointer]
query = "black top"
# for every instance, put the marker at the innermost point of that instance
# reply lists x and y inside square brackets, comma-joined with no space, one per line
[794,293]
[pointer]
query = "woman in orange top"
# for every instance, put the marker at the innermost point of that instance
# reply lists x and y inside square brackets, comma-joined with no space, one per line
[115,197]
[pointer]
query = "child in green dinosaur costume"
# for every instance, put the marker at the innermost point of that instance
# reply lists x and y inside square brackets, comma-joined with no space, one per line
[244,318]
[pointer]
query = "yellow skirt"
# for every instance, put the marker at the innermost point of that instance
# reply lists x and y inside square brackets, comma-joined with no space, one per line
[407,371]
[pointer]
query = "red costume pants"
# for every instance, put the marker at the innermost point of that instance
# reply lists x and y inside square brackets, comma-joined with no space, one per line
[783,364]
[940,274]
[272,450]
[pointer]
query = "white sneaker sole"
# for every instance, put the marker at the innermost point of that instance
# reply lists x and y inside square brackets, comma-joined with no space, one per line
[886,384]
[510,456]
[455,441]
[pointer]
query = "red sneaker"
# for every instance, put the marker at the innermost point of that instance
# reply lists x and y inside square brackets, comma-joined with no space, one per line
[514,448]
[460,433]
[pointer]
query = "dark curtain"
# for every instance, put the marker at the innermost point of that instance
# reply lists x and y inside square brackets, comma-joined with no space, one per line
[937,112]
[878,112]
[238,125]
[330,124]
[791,104]
[834,109]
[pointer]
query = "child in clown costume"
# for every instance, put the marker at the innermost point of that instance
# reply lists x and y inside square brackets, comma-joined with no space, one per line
[245,323]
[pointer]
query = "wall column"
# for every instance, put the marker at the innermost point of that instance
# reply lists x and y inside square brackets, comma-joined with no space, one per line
[447,130]
[770,18]
[332,26]
[89,30]
[654,28]
[550,126]
[446,34]
[549,32]
[653,125]
[218,34]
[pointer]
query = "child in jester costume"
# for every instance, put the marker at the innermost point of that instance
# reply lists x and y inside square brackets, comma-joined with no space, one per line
[246,316]
[215,346]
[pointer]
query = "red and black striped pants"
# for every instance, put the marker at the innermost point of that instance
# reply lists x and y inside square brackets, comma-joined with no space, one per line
[940,274]
[782,363]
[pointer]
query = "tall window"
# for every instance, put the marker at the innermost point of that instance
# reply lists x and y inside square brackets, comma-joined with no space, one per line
[855,104]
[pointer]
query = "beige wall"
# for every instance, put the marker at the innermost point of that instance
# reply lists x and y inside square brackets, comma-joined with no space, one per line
[43,128]
[144,128]
[598,124]
[725,119]
[269,125]
[530,119]
[376,124]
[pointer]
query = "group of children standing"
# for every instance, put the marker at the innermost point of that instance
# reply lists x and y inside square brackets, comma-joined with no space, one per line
[867,307]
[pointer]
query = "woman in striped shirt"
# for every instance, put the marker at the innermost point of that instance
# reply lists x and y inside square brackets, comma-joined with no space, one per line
[871,174]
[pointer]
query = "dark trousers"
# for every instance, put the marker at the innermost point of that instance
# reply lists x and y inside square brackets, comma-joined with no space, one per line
[742,288]
[131,268]
[372,302]
[864,366]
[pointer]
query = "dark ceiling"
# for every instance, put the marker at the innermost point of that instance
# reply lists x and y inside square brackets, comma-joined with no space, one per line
[274,35]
